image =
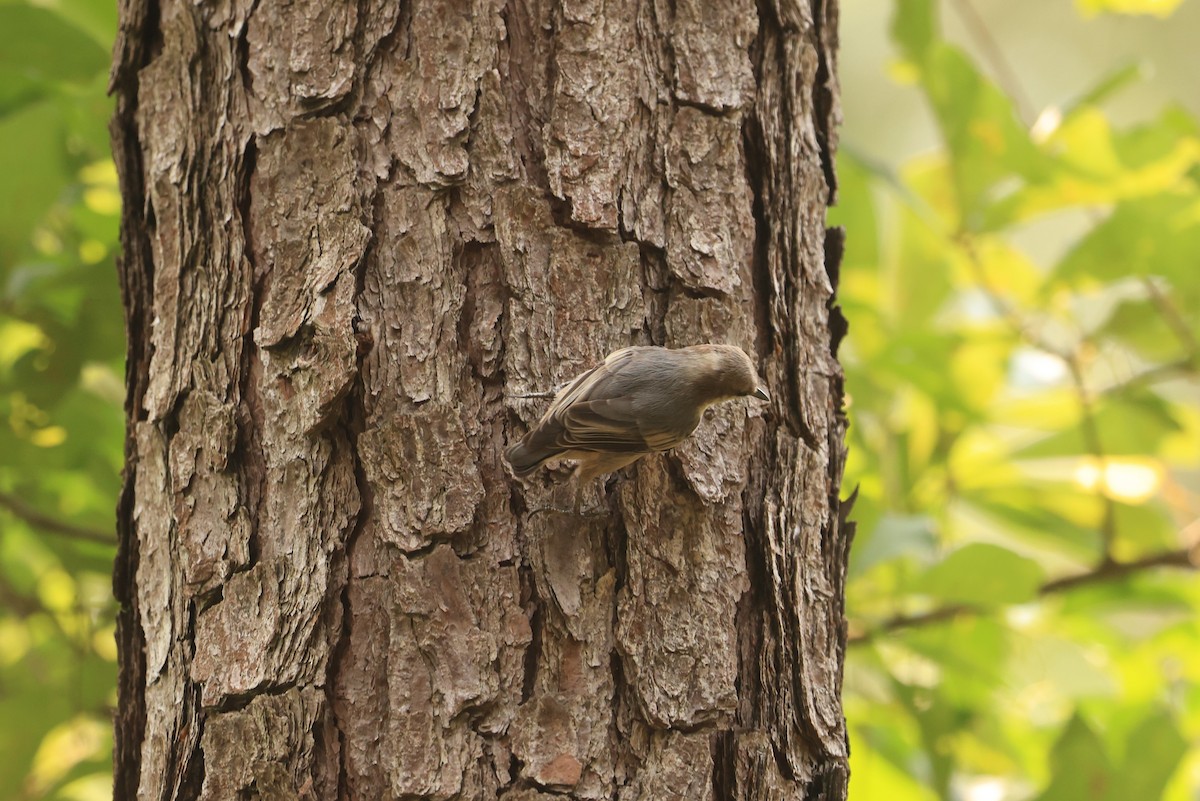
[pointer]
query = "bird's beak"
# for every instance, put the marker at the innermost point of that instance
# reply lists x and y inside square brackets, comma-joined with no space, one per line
[761,394]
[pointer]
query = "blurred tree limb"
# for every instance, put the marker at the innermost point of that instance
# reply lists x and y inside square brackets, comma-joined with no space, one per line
[53,526]
[1108,570]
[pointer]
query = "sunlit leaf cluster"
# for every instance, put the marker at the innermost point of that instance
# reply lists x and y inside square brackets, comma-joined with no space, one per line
[1024,377]
[61,394]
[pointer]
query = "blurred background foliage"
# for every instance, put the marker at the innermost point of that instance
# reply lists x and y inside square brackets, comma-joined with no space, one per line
[1022,279]
[61,394]
[1019,180]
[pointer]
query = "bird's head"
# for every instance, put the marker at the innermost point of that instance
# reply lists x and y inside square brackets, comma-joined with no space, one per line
[732,374]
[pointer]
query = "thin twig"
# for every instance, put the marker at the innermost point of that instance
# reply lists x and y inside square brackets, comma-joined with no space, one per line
[1090,428]
[1173,318]
[1091,439]
[1159,372]
[50,525]
[938,615]
[533,395]
[1007,310]
[1005,75]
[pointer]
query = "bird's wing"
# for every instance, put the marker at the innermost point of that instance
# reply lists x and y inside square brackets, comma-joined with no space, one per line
[594,383]
[596,413]
[601,425]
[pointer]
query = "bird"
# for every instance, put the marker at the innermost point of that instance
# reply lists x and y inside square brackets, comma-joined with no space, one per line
[640,400]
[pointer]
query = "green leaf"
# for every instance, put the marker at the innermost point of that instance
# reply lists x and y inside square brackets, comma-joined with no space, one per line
[1093,164]
[1136,609]
[19,91]
[97,18]
[915,27]
[937,719]
[1144,529]
[1108,85]
[38,44]
[986,574]
[1061,668]
[33,172]
[988,146]
[1141,326]
[895,536]
[878,776]
[1157,235]
[855,211]
[1152,754]
[1158,139]
[1045,519]
[972,653]
[1081,770]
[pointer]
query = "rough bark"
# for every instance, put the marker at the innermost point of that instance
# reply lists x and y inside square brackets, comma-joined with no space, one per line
[357,238]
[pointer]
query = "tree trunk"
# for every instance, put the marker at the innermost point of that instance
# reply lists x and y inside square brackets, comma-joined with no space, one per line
[357,239]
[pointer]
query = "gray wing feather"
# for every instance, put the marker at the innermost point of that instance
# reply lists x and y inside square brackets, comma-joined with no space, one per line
[599,412]
[615,408]
[596,411]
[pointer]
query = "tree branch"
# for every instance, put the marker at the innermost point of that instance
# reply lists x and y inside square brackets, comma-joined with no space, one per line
[1091,436]
[50,525]
[1184,558]
[1073,360]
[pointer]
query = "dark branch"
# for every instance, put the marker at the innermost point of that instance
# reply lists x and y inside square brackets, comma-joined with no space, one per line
[1184,558]
[50,525]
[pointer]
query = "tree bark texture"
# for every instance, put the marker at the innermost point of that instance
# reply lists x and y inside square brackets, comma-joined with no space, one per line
[359,238]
